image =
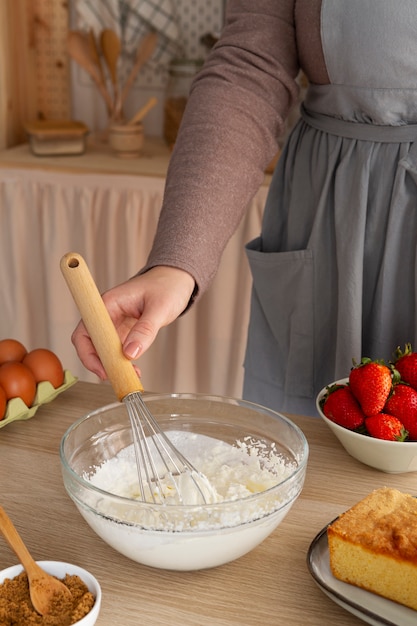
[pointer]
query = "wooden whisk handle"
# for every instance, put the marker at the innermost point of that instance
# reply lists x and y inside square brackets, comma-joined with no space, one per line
[99,325]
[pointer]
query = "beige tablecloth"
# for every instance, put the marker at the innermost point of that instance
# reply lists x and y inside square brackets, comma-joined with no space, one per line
[110,219]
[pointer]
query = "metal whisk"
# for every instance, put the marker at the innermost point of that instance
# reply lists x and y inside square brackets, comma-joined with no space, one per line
[165,475]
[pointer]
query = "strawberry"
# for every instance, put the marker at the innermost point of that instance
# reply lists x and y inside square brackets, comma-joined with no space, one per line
[371,384]
[402,403]
[385,426]
[406,364]
[341,407]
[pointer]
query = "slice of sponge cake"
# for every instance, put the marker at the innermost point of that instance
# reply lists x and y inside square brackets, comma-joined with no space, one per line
[373,545]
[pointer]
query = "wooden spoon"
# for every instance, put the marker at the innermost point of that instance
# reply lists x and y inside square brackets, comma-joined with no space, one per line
[111,48]
[78,48]
[139,115]
[42,586]
[94,52]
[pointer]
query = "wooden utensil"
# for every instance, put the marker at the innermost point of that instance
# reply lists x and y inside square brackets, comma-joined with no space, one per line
[99,325]
[94,52]
[139,115]
[111,48]
[144,52]
[79,49]
[42,586]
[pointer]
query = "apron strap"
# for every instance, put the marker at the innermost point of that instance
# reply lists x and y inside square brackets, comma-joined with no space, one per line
[404,133]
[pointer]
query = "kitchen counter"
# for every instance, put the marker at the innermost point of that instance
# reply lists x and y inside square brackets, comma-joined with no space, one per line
[98,158]
[270,586]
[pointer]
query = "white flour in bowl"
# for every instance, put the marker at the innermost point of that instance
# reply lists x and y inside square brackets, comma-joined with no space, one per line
[234,472]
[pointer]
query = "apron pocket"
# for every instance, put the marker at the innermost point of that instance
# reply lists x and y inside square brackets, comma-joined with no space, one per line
[281,330]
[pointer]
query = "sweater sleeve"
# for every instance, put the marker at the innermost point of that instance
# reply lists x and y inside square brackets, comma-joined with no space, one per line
[236,110]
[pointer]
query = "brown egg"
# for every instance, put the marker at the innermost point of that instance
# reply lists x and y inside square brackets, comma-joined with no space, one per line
[45,366]
[18,382]
[11,350]
[3,403]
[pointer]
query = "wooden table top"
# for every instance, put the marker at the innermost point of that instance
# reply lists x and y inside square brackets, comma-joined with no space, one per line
[269,586]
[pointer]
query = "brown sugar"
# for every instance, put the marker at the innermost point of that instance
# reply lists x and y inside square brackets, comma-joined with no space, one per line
[16,608]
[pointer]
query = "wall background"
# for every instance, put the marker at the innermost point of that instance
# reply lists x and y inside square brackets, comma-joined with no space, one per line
[38,80]
[193,18]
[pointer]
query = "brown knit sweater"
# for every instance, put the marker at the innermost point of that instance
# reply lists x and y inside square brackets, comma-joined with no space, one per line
[235,113]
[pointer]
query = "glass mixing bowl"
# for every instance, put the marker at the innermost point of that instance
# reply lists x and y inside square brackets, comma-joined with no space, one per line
[183,536]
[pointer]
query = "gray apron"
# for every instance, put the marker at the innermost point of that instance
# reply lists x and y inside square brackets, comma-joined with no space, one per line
[335,268]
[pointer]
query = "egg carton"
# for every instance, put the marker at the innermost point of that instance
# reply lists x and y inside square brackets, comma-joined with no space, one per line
[45,392]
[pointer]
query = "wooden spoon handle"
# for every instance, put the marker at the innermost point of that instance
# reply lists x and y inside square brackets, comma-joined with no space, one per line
[92,42]
[99,325]
[145,50]
[16,543]
[138,117]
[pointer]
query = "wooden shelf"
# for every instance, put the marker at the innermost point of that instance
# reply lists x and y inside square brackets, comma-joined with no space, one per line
[98,158]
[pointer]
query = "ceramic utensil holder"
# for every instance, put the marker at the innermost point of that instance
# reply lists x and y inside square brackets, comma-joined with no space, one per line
[126,140]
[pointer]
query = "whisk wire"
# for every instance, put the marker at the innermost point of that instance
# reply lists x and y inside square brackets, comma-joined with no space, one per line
[147,473]
[148,437]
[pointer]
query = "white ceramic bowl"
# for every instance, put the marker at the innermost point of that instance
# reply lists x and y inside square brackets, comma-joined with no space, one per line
[393,457]
[182,537]
[59,569]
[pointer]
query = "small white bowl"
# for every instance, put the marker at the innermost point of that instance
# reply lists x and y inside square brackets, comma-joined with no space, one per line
[392,457]
[59,569]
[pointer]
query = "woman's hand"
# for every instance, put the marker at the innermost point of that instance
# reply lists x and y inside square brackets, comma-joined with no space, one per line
[138,307]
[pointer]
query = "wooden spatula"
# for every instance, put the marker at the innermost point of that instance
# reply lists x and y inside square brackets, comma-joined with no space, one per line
[79,49]
[111,48]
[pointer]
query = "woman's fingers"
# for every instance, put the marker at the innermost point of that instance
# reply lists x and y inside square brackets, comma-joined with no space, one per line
[139,308]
